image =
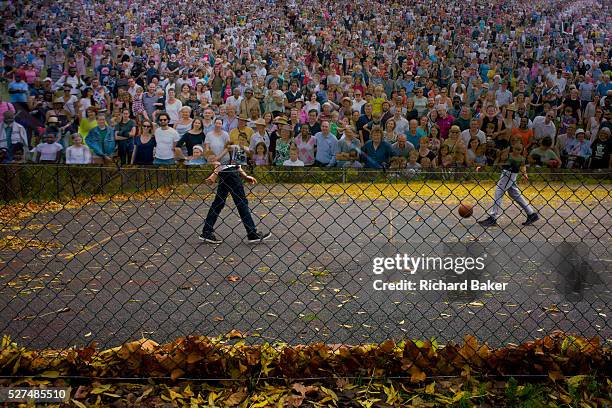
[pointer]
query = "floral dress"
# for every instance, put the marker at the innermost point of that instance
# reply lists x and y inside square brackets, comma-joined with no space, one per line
[282,152]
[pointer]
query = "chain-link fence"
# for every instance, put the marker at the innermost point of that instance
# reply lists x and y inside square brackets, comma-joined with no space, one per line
[113,255]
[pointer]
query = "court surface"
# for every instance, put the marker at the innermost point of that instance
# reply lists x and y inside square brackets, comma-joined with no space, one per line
[117,271]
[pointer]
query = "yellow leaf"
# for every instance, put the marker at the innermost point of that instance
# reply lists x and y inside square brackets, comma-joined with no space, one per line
[391,394]
[458,396]
[576,380]
[329,393]
[50,374]
[78,403]
[431,388]
[175,395]
[102,388]
[211,398]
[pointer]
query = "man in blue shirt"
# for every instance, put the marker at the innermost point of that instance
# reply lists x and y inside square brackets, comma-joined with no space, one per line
[18,90]
[409,86]
[604,86]
[414,133]
[376,153]
[327,147]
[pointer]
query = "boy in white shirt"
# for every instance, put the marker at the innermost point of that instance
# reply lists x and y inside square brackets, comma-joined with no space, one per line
[294,160]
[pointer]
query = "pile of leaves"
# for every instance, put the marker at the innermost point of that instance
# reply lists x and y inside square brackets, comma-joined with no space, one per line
[266,374]
[578,391]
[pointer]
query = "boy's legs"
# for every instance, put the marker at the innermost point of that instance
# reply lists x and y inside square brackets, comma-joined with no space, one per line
[516,195]
[216,207]
[236,189]
[505,182]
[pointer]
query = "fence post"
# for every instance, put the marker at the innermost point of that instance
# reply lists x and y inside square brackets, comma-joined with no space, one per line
[5,184]
[121,179]
[57,182]
[101,180]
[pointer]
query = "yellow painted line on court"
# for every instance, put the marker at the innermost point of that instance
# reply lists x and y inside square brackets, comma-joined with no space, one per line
[70,255]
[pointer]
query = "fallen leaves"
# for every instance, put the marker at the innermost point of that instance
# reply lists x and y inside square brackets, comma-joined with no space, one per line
[580,391]
[17,244]
[565,363]
[21,211]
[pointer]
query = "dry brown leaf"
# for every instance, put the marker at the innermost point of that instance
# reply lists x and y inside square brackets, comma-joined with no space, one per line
[303,390]
[294,401]
[556,376]
[194,358]
[81,392]
[236,398]
[177,373]
[416,375]
[235,334]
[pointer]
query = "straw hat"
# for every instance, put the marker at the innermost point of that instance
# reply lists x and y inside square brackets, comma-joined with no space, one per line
[280,120]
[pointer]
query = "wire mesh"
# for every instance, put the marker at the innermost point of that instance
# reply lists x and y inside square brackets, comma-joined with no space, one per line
[112,255]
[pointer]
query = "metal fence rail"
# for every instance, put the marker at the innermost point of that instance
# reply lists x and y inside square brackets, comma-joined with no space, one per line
[112,255]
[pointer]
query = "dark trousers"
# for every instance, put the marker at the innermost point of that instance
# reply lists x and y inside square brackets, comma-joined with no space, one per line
[125,148]
[229,183]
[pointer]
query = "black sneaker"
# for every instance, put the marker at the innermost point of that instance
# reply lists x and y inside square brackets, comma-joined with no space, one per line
[531,219]
[258,237]
[488,222]
[210,238]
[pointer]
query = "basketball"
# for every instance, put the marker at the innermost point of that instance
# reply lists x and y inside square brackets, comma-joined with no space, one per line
[466,210]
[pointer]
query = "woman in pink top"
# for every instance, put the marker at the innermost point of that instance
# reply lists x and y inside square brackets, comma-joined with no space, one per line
[306,146]
[30,74]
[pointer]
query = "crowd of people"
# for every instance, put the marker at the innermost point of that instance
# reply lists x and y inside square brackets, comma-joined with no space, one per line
[374,84]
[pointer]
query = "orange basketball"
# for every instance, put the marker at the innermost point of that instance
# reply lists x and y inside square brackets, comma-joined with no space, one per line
[466,210]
